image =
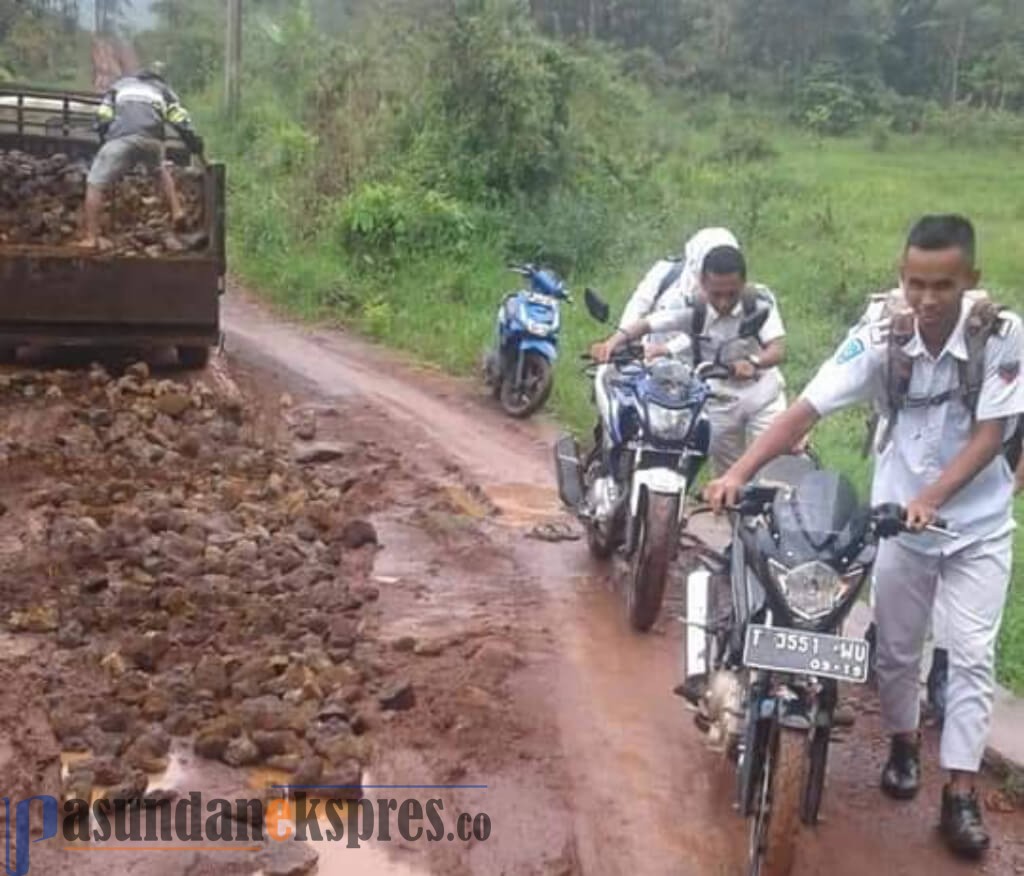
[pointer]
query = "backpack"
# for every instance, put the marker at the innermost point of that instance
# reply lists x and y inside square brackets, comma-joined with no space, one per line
[750,297]
[983,322]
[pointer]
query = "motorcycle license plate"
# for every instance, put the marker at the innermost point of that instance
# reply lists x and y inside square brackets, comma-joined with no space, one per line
[782,650]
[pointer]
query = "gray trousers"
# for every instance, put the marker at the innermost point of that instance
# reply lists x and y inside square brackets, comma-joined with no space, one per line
[735,426]
[974,583]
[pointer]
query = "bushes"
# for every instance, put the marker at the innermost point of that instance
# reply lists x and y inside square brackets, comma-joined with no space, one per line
[389,221]
[743,145]
[828,107]
[964,126]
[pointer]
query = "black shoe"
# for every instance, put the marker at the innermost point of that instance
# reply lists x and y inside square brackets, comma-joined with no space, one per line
[901,776]
[961,825]
[937,679]
[692,690]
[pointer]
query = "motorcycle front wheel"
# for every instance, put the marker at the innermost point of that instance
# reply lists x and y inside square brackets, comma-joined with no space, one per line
[531,393]
[491,370]
[655,550]
[600,534]
[773,830]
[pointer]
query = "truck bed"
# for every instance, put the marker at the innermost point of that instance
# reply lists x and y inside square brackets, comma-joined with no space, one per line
[56,295]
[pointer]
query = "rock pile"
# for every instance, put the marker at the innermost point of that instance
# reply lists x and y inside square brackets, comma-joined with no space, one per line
[41,201]
[197,584]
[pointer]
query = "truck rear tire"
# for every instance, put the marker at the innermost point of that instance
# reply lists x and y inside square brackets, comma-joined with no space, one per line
[193,357]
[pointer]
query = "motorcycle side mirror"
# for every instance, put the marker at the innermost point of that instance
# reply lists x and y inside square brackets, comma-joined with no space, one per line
[597,307]
[750,326]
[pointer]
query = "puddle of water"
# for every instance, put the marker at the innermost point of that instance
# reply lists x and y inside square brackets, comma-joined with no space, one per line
[519,504]
[367,860]
[15,646]
[465,503]
[263,777]
[523,504]
[69,758]
[336,858]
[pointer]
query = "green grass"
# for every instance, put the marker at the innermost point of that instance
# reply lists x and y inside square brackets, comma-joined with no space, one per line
[822,225]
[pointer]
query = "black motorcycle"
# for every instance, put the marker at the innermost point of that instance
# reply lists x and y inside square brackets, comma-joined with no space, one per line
[764,648]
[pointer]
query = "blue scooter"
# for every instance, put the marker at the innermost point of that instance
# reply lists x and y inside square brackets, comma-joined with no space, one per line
[519,367]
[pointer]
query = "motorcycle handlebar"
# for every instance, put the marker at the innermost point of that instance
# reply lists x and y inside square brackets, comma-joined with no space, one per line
[709,370]
[623,356]
[888,520]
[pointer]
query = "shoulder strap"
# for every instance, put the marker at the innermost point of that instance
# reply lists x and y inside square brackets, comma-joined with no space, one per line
[750,297]
[697,322]
[669,280]
[900,367]
[983,322]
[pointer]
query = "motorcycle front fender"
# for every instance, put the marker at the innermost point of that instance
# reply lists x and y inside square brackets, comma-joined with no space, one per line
[663,481]
[544,347]
[656,480]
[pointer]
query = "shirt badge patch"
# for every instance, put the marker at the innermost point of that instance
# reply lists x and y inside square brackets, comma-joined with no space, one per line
[854,347]
[1009,371]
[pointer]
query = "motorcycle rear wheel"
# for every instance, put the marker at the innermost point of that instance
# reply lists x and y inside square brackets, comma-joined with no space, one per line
[656,549]
[777,820]
[538,379]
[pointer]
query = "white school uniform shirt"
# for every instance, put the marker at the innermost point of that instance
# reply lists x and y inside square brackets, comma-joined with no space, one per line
[720,328]
[926,439]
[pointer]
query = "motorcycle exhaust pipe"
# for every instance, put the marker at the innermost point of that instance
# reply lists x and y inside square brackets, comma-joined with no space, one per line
[569,472]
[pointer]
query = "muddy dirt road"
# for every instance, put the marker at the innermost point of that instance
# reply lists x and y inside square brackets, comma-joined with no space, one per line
[312,564]
[611,775]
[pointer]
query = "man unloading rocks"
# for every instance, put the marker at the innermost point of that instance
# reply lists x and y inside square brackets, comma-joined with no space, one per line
[130,120]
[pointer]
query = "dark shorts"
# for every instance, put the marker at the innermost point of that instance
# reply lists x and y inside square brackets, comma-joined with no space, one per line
[117,157]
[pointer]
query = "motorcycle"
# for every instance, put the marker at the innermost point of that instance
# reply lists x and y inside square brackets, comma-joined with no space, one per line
[764,648]
[630,489]
[519,367]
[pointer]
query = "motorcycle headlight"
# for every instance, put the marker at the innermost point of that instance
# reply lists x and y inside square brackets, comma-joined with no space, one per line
[812,590]
[669,424]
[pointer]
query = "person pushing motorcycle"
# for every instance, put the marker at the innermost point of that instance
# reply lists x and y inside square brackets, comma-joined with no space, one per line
[939,450]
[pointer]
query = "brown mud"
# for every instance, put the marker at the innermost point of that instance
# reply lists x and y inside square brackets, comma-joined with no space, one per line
[317,534]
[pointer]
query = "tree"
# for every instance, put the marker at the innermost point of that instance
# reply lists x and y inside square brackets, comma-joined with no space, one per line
[109,15]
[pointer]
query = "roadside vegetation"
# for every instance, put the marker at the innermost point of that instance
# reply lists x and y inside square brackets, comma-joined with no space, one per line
[390,157]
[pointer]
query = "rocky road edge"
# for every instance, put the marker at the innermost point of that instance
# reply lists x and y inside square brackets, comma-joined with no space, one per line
[169,573]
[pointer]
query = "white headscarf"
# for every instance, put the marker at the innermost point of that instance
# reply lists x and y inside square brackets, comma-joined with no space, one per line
[697,249]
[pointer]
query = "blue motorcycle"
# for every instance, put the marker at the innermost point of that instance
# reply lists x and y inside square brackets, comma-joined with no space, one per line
[519,368]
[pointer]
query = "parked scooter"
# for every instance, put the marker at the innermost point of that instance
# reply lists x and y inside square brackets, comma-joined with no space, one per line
[519,368]
[764,650]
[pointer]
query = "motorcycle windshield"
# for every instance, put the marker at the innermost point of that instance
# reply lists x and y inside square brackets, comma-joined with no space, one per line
[817,519]
[668,383]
